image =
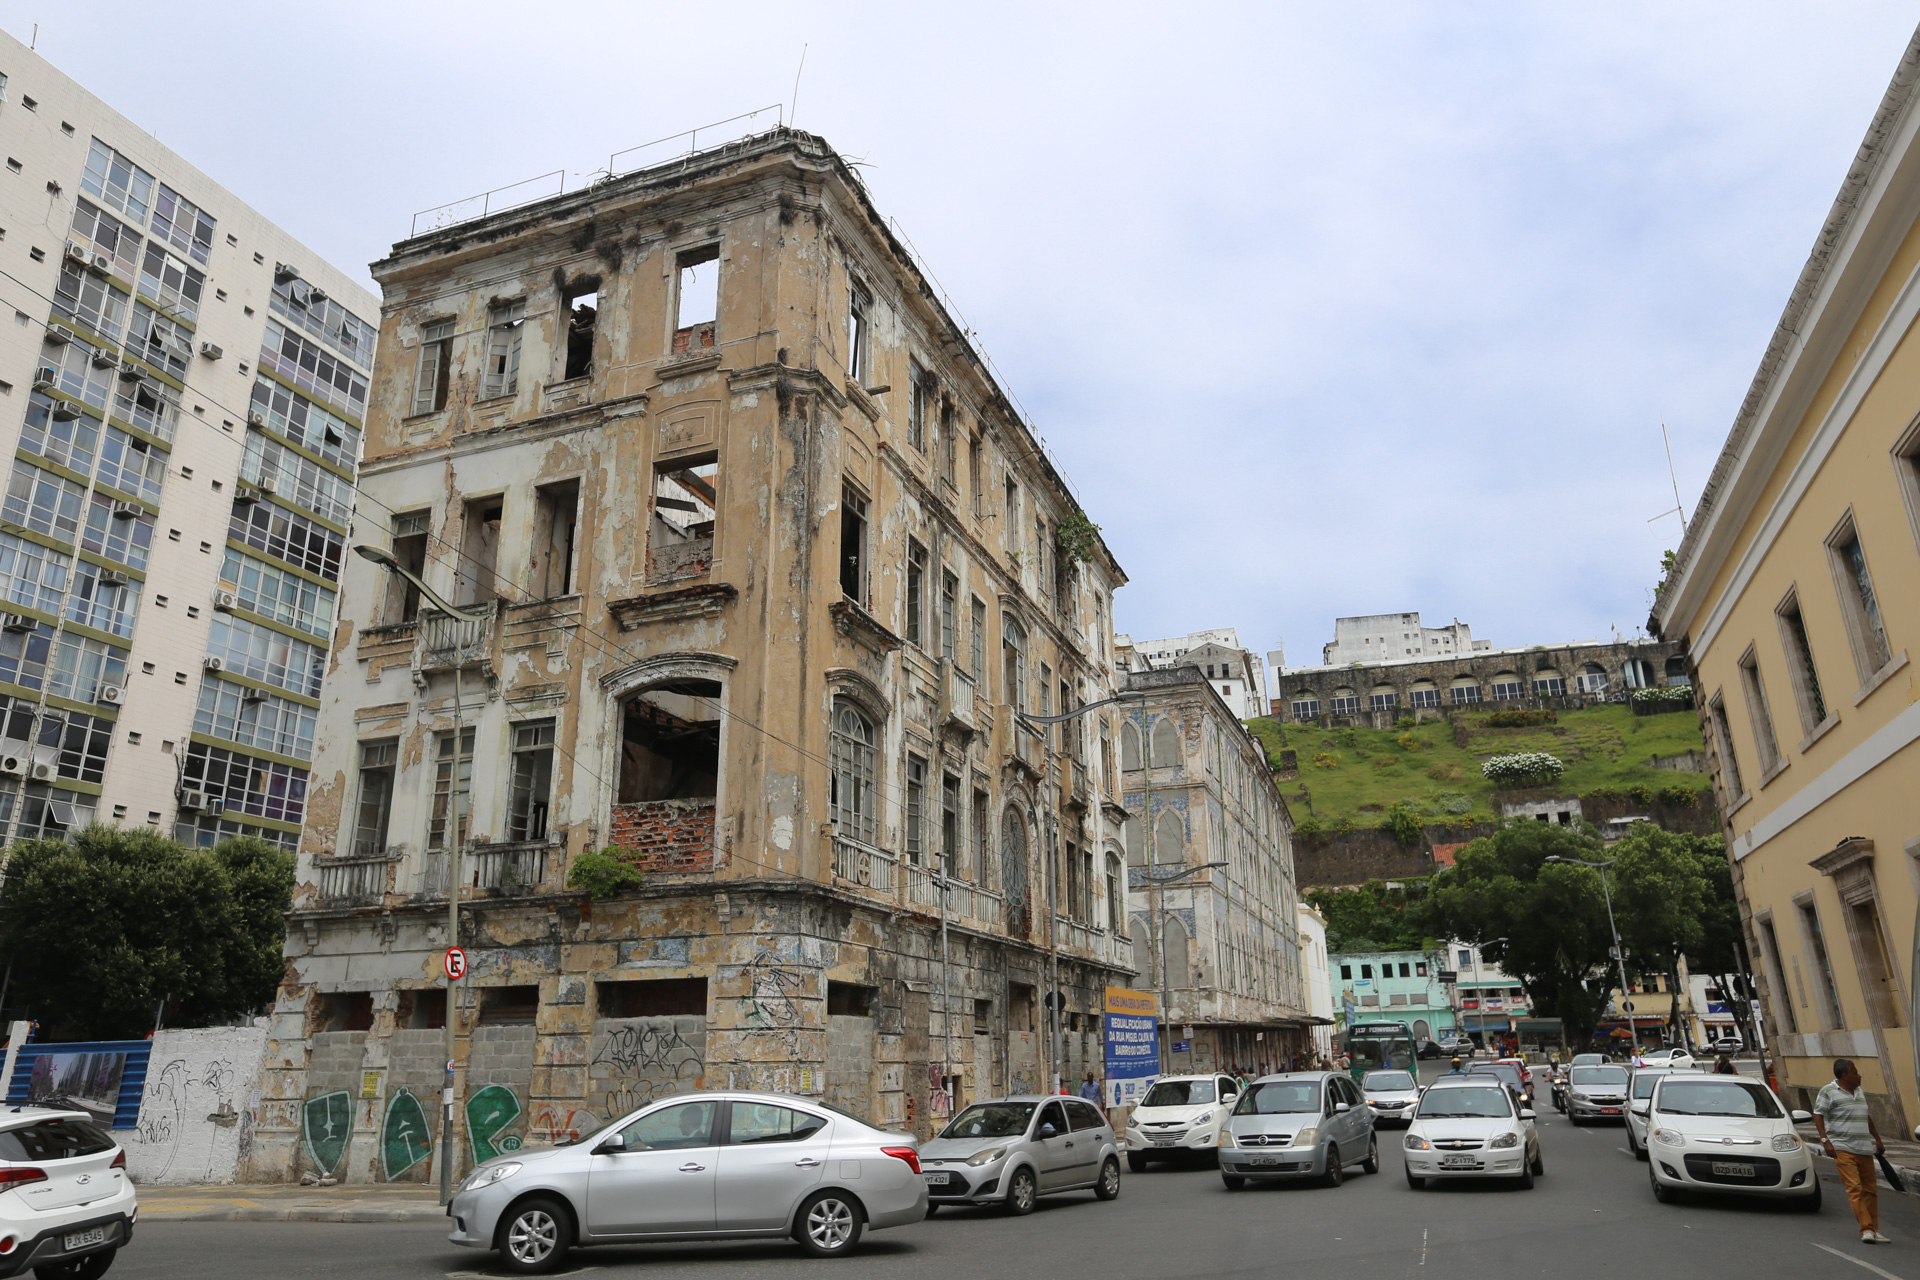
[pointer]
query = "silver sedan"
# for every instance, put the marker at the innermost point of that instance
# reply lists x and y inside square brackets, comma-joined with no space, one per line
[695,1166]
[1011,1151]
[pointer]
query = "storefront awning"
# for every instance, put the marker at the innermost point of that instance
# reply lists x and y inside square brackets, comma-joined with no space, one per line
[1539,1026]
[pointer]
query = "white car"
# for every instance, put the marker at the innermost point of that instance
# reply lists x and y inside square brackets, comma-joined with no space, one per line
[1672,1059]
[1471,1127]
[1639,1089]
[1726,1134]
[1179,1114]
[1390,1095]
[66,1203]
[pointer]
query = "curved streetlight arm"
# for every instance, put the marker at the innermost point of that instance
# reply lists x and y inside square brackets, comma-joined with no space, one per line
[385,559]
[1182,875]
[1074,714]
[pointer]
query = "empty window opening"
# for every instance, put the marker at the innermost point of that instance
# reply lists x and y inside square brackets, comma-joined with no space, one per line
[949,445]
[345,1011]
[409,538]
[670,743]
[555,517]
[853,545]
[975,482]
[480,552]
[916,593]
[949,825]
[919,398]
[1010,517]
[505,323]
[436,366]
[530,786]
[580,304]
[653,998]
[377,762]
[982,1011]
[509,1006]
[859,304]
[685,495]
[851,1000]
[422,1011]
[697,299]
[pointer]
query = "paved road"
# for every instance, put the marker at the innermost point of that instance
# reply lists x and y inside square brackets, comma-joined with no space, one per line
[1591,1216]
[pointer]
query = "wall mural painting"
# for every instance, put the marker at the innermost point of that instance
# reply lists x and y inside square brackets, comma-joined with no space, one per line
[88,1082]
[770,1007]
[174,1099]
[405,1136]
[327,1122]
[489,1112]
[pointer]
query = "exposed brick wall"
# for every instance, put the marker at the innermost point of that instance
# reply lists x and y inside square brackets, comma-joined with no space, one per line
[669,835]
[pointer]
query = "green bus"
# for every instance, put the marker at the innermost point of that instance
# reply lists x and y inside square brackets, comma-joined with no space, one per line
[1379,1046]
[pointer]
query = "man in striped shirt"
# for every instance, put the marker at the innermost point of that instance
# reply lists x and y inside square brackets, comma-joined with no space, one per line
[1847,1134]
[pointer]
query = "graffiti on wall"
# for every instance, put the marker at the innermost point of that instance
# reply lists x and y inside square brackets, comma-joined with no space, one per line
[553,1124]
[490,1111]
[636,1060]
[326,1122]
[769,1006]
[177,1100]
[405,1136]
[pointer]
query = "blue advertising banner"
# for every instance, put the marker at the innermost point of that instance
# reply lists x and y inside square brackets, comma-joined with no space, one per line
[1133,1044]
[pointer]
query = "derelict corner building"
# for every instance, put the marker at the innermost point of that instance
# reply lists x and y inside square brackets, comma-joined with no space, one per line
[181,394]
[755,566]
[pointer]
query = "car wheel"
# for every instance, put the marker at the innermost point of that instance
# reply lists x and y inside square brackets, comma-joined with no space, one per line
[1372,1163]
[1335,1174]
[828,1224]
[1661,1192]
[1526,1177]
[1108,1188]
[1136,1162]
[1415,1181]
[1539,1164]
[534,1237]
[1232,1181]
[1022,1191]
[91,1267]
[1810,1204]
[932,1209]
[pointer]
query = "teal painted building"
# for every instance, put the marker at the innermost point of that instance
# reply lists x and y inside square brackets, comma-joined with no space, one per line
[1383,985]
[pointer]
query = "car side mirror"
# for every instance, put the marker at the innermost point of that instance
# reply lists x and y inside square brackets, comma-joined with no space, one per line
[1226,1098]
[612,1144]
[1801,1117]
[1525,1114]
[1642,1106]
[1048,1131]
[1338,1107]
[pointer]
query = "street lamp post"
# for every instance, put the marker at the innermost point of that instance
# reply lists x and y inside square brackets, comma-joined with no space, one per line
[1480,991]
[1619,956]
[385,559]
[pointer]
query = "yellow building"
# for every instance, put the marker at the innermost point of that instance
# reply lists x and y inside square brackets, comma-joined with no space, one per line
[1797,591]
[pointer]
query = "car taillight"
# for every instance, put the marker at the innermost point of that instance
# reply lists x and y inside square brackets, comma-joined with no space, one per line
[119,1159]
[20,1175]
[6,1245]
[908,1154]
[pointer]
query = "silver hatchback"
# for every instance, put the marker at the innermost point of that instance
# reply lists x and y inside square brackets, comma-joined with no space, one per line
[1305,1124]
[1011,1151]
[695,1166]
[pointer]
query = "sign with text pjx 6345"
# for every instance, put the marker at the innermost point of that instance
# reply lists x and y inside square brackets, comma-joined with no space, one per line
[1133,1044]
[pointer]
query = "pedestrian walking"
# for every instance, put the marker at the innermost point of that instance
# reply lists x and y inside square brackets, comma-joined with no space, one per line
[1847,1134]
[1723,1066]
[1090,1089]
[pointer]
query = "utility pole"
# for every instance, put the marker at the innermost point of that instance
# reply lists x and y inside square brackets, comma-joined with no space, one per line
[1633,1032]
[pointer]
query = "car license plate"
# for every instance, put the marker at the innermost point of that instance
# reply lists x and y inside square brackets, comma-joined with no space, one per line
[1260,1162]
[81,1239]
[1159,1141]
[1457,1162]
[1726,1170]
[1609,1111]
[937,1179]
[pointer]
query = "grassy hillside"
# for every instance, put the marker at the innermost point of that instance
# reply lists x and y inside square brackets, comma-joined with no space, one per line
[1356,774]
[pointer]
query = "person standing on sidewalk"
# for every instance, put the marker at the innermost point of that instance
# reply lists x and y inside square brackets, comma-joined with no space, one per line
[1847,1134]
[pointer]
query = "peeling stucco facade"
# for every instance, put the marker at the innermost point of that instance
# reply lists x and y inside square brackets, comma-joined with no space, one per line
[774,658]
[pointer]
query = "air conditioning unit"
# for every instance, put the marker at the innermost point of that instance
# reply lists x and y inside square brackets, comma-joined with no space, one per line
[12,766]
[131,372]
[45,378]
[215,806]
[124,510]
[43,771]
[225,601]
[17,622]
[77,252]
[112,695]
[104,359]
[64,412]
[245,495]
[265,484]
[101,263]
[282,272]
[212,663]
[211,350]
[316,296]
[252,695]
[256,419]
[191,799]
[57,337]
[113,578]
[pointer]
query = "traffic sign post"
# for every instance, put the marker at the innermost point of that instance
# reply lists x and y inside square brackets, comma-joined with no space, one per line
[455,964]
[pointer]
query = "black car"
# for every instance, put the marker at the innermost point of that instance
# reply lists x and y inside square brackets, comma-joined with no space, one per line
[1428,1049]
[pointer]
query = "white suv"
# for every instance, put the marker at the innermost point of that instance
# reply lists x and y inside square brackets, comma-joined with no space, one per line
[1179,1113]
[66,1203]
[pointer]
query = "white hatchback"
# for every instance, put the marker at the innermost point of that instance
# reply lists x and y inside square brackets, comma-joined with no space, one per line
[1672,1059]
[66,1203]
[1726,1134]
[1472,1127]
[1179,1113]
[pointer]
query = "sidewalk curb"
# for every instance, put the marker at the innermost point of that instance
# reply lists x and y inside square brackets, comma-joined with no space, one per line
[298,1213]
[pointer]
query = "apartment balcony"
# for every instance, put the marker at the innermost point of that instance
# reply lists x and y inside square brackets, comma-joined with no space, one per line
[862,864]
[352,882]
[509,868]
[956,697]
[445,642]
[1079,791]
[1019,744]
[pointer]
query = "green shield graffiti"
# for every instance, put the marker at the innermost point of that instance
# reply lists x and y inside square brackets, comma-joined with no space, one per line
[327,1122]
[405,1137]
[488,1112]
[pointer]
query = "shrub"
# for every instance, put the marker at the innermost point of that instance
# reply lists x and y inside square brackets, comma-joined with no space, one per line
[1521,719]
[1385,762]
[1342,824]
[1309,828]
[1405,722]
[1326,760]
[1680,795]
[604,872]
[1413,742]
[1403,822]
[1640,793]
[1444,771]
[1522,769]
[1604,794]
[1674,697]
[1453,802]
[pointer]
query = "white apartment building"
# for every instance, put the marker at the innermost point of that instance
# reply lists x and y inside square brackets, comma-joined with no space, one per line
[1389,637]
[181,392]
[1313,959]
[1233,670]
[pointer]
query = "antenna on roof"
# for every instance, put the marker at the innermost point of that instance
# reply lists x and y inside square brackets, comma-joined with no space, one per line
[1678,509]
[796,86]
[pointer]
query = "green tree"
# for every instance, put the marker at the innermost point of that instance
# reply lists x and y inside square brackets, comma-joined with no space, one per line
[1372,917]
[100,929]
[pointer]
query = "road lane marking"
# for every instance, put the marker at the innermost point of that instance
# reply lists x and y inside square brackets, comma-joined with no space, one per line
[1859,1262]
[1423,1246]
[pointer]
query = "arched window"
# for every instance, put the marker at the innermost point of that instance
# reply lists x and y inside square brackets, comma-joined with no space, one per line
[1592,678]
[670,743]
[1173,941]
[1129,746]
[1677,670]
[854,802]
[1013,871]
[1463,691]
[1637,673]
[1141,959]
[1136,842]
[1166,743]
[1116,893]
[1548,683]
[1169,839]
[1507,687]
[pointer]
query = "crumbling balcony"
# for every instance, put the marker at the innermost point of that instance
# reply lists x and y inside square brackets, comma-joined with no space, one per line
[352,882]
[506,868]
[864,865]
[447,642]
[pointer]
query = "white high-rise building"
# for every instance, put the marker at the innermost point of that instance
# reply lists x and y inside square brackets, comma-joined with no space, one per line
[181,392]
[1234,671]
[1396,637]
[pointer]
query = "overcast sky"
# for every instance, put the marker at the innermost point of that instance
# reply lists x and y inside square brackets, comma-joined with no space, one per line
[1325,309]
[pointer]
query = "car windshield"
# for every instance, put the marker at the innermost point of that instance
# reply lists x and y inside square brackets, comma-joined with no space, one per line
[1599,1077]
[1587,1059]
[1718,1096]
[991,1120]
[1179,1093]
[1385,1080]
[1280,1097]
[1463,1104]
[1505,1072]
[1643,1082]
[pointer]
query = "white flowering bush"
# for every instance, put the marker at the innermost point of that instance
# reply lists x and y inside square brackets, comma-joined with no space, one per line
[1523,769]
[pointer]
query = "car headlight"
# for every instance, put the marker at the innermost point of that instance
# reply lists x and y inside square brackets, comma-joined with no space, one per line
[1669,1138]
[1577,1096]
[1226,1139]
[1785,1142]
[1307,1136]
[1133,1122]
[1414,1142]
[1505,1140]
[988,1156]
[488,1174]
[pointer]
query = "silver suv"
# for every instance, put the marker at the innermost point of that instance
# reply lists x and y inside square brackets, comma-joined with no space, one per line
[1012,1151]
[1305,1124]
